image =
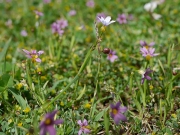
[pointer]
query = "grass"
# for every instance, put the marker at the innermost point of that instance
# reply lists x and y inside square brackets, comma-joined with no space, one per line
[76,78]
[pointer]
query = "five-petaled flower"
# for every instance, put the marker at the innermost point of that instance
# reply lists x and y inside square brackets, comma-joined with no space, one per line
[33,55]
[112,56]
[148,53]
[47,125]
[84,127]
[122,19]
[145,75]
[106,21]
[116,112]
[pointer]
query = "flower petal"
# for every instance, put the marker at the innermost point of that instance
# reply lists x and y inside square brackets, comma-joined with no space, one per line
[51,130]
[107,19]
[80,132]
[123,109]
[40,52]
[57,122]
[26,51]
[38,60]
[85,122]
[86,131]
[80,123]
[43,131]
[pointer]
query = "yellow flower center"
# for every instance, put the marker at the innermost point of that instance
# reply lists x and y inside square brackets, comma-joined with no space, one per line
[147,47]
[110,55]
[87,127]
[48,121]
[34,57]
[148,57]
[114,111]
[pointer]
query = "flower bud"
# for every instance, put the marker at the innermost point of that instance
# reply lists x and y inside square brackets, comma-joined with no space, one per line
[106,51]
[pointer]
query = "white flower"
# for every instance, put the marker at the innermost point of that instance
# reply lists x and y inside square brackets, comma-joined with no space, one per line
[106,21]
[150,6]
[156,16]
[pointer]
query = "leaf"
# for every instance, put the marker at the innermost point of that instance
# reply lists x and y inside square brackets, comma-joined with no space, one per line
[82,93]
[99,116]
[3,52]
[19,98]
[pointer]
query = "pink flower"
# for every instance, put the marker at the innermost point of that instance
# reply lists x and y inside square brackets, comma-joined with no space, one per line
[38,13]
[46,1]
[122,19]
[90,3]
[58,26]
[34,55]
[72,12]
[84,128]
[112,56]
[24,33]
[148,53]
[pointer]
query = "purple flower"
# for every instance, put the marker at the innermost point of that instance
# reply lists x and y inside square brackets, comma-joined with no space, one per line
[144,44]
[84,128]
[90,3]
[47,125]
[99,15]
[58,26]
[46,1]
[112,56]
[24,33]
[145,75]
[148,53]
[34,55]
[38,13]
[116,112]
[72,12]
[62,23]
[122,19]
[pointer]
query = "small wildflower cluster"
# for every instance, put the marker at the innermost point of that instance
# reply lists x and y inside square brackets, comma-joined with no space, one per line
[151,6]
[59,26]
[147,51]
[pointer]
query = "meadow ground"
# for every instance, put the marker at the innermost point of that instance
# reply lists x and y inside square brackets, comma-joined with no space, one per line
[95,67]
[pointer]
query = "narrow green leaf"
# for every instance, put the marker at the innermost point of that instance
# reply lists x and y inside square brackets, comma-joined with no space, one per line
[82,93]
[3,52]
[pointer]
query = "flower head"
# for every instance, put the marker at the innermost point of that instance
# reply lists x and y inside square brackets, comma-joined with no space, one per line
[72,12]
[90,3]
[116,112]
[24,33]
[122,19]
[34,55]
[107,21]
[46,1]
[148,53]
[144,44]
[47,125]
[145,75]
[112,56]
[38,13]
[84,128]
[58,26]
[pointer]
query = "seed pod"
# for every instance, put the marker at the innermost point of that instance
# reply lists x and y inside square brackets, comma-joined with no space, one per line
[106,51]
[174,73]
